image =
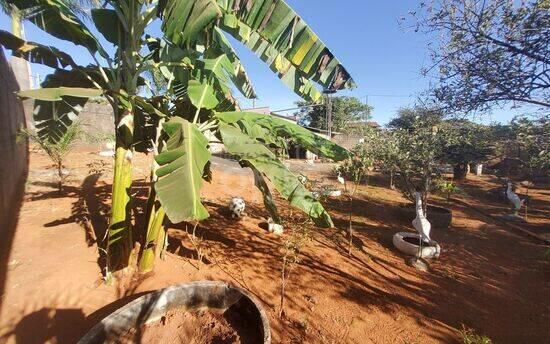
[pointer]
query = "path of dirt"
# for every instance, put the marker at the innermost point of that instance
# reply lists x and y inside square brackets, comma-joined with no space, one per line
[488,278]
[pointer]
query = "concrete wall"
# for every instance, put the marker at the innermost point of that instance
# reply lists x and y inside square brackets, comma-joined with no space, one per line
[97,118]
[13,151]
[348,141]
[14,155]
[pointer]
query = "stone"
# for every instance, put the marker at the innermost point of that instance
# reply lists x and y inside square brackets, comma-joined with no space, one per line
[417,263]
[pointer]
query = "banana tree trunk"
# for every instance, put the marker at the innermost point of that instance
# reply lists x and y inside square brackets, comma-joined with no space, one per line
[120,244]
[156,232]
[154,242]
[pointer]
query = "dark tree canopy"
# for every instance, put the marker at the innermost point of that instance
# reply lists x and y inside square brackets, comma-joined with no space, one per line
[409,117]
[488,52]
[523,147]
[345,110]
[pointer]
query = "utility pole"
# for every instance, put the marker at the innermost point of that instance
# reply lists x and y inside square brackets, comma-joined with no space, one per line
[328,107]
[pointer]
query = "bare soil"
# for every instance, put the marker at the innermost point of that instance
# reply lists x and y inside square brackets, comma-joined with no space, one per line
[489,278]
[195,327]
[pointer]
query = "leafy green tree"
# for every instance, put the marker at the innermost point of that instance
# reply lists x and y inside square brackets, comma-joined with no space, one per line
[415,153]
[200,67]
[465,143]
[525,141]
[489,52]
[409,117]
[345,110]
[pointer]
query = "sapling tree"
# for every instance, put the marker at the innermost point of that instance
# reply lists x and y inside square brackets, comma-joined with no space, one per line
[56,150]
[290,255]
[355,170]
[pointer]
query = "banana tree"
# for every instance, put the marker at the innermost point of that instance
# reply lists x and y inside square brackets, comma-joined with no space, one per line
[200,68]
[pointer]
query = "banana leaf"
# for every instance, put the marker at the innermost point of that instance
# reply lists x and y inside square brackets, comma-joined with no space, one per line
[183,20]
[282,128]
[252,152]
[181,167]
[283,31]
[58,19]
[56,108]
[35,52]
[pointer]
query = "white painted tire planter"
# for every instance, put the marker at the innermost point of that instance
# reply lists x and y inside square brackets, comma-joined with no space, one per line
[428,251]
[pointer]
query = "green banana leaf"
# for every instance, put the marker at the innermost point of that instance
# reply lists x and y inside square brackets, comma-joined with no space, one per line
[238,76]
[108,24]
[56,106]
[56,93]
[58,19]
[35,52]
[182,164]
[183,20]
[283,30]
[261,158]
[292,77]
[283,128]
[269,203]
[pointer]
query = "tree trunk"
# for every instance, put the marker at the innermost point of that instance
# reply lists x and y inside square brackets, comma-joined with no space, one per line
[60,176]
[460,171]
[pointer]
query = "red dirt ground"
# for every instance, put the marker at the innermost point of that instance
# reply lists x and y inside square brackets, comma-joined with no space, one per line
[488,278]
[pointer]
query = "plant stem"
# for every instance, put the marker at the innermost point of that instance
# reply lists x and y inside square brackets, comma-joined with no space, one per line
[119,242]
[283,284]
[60,175]
[155,236]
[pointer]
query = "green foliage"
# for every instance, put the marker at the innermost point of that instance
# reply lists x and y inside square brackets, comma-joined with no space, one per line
[181,165]
[448,188]
[408,117]
[56,150]
[470,337]
[466,142]
[525,142]
[414,149]
[345,111]
[253,153]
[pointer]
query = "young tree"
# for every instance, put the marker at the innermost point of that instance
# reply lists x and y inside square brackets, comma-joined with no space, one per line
[344,111]
[417,156]
[58,150]
[488,52]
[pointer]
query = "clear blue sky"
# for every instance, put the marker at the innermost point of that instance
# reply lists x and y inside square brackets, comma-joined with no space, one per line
[364,34]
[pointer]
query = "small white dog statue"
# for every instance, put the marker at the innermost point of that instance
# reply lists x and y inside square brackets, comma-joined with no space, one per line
[236,207]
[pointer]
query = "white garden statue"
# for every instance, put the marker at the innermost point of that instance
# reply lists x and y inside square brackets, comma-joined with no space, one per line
[236,207]
[416,248]
[420,222]
[514,199]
